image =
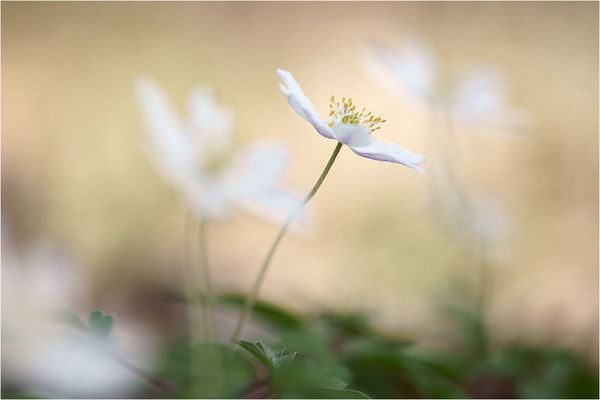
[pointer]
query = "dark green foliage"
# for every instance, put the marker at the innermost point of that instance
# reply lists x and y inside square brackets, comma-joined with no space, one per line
[306,378]
[99,325]
[341,355]
[271,359]
[384,373]
[208,370]
[547,373]
[294,376]
[343,348]
[277,317]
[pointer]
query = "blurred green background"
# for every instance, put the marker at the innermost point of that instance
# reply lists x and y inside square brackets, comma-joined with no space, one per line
[74,172]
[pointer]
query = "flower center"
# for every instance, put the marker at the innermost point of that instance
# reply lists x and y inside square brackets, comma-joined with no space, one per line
[214,161]
[345,113]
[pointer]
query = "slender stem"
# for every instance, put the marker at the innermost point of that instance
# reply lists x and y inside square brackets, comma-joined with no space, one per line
[484,282]
[209,315]
[157,383]
[191,304]
[252,295]
[189,282]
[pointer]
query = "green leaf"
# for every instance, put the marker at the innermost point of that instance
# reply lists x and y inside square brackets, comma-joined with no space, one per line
[271,313]
[277,360]
[205,370]
[267,356]
[338,383]
[285,360]
[257,352]
[68,318]
[308,378]
[99,325]
[342,394]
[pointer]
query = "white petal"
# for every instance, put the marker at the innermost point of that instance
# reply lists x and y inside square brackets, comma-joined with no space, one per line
[260,163]
[275,206]
[254,182]
[170,143]
[480,93]
[390,152]
[364,144]
[413,66]
[300,103]
[479,101]
[211,123]
[209,198]
[251,182]
[352,135]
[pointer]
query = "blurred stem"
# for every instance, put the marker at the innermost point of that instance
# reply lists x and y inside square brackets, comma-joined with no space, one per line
[253,294]
[209,315]
[190,282]
[486,284]
[484,278]
[450,132]
[191,292]
[155,382]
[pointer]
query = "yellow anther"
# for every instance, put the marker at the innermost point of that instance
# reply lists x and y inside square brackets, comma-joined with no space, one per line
[346,114]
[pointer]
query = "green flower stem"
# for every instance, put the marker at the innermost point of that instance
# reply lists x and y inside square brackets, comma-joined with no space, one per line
[191,294]
[157,383]
[189,281]
[209,301]
[253,294]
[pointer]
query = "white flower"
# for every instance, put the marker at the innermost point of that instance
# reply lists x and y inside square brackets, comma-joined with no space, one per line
[476,97]
[479,101]
[473,218]
[41,280]
[347,125]
[42,355]
[70,365]
[196,155]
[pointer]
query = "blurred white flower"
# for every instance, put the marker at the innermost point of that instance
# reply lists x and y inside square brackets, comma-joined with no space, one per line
[41,280]
[489,220]
[44,356]
[347,125]
[69,365]
[479,101]
[473,218]
[197,156]
[476,97]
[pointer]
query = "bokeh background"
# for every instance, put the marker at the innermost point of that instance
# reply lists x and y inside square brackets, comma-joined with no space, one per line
[75,176]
